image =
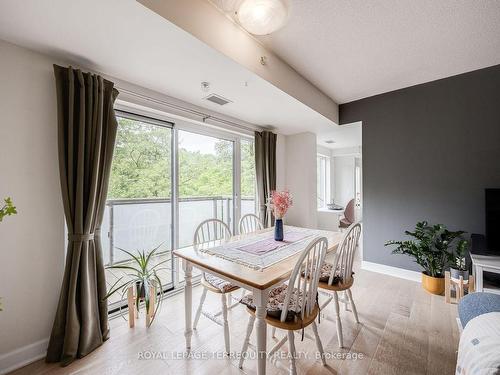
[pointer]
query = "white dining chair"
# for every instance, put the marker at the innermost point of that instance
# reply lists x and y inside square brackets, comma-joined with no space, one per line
[208,231]
[249,223]
[293,306]
[338,276]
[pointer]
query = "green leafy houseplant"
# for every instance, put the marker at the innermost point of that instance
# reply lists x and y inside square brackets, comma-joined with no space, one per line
[430,247]
[7,209]
[459,268]
[460,253]
[141,275]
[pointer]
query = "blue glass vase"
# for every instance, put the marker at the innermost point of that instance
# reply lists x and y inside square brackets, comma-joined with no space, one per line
[278,230]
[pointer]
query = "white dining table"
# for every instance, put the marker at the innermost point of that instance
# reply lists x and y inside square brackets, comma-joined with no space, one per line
[257,281]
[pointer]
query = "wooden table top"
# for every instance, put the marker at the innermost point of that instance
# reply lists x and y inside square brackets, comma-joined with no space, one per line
[259,279]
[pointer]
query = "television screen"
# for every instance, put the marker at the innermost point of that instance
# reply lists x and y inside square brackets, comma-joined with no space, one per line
[492,208]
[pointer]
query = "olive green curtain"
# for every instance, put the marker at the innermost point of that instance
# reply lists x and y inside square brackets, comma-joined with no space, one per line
[86,136]
[265,170]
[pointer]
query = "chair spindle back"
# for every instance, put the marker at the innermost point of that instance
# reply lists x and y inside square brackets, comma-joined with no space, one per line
[344,257]
[250,223]
[211,230]
[305,278]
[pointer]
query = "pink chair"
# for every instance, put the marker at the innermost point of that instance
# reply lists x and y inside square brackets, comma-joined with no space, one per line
[348,218]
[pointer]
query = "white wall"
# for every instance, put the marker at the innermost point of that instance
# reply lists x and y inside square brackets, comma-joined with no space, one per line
[301,179]
[31,243]
[323,150]
[281,162]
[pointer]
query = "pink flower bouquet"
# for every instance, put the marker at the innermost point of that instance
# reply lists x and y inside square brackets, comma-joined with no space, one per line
[280,202]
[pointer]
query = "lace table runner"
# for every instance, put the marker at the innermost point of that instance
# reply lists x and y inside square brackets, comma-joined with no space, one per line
[261,250]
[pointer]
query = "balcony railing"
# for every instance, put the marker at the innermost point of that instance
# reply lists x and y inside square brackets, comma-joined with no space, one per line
[143,224]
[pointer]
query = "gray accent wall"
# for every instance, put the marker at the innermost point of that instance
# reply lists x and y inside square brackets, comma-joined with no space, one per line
[429,151]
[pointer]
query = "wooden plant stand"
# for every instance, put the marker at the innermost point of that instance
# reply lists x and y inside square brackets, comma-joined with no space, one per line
[459,286]
[133,314]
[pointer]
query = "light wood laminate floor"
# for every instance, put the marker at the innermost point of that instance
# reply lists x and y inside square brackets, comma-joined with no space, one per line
[403,330]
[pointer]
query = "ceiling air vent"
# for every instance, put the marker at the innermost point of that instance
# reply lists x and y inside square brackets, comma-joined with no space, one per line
[217,99]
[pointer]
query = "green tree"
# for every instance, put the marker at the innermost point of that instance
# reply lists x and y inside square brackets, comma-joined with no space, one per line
[141,161]
[141,165]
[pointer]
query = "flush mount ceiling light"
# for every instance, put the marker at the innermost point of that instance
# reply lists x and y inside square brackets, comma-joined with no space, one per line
[262,17]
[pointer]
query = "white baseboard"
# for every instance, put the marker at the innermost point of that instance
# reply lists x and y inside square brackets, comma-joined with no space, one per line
[392,271]
[23,356]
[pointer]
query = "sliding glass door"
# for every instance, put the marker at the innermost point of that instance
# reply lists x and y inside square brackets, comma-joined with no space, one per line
[139,209]
[166,179]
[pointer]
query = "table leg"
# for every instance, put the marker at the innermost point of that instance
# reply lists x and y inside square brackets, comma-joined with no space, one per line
[260,300]
[188,302]
[479,278]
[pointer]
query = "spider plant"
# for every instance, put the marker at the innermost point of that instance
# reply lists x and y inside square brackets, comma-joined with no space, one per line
[141,275]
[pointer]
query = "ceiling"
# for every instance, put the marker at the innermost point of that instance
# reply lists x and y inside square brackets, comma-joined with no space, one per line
[351,49]
[348,49]
[123,39]
[345,136]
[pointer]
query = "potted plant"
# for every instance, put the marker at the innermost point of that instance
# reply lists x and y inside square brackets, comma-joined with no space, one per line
[141,275]
[7,209]
[280,202]
[430,248]
[459,268]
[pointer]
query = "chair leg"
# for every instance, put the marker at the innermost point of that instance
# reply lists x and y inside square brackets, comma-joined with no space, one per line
[353,306]
[276,347]
[273,332]
[293,353]
[226,324]
[200,307]
[246,342]
[230,303]
[327,301]
[319,344]
[339,323]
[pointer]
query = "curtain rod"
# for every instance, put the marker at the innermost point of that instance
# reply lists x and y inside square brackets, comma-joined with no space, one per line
[204,116]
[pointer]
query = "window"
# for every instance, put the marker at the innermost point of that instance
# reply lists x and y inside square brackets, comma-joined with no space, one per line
[167,178]
[323,180]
